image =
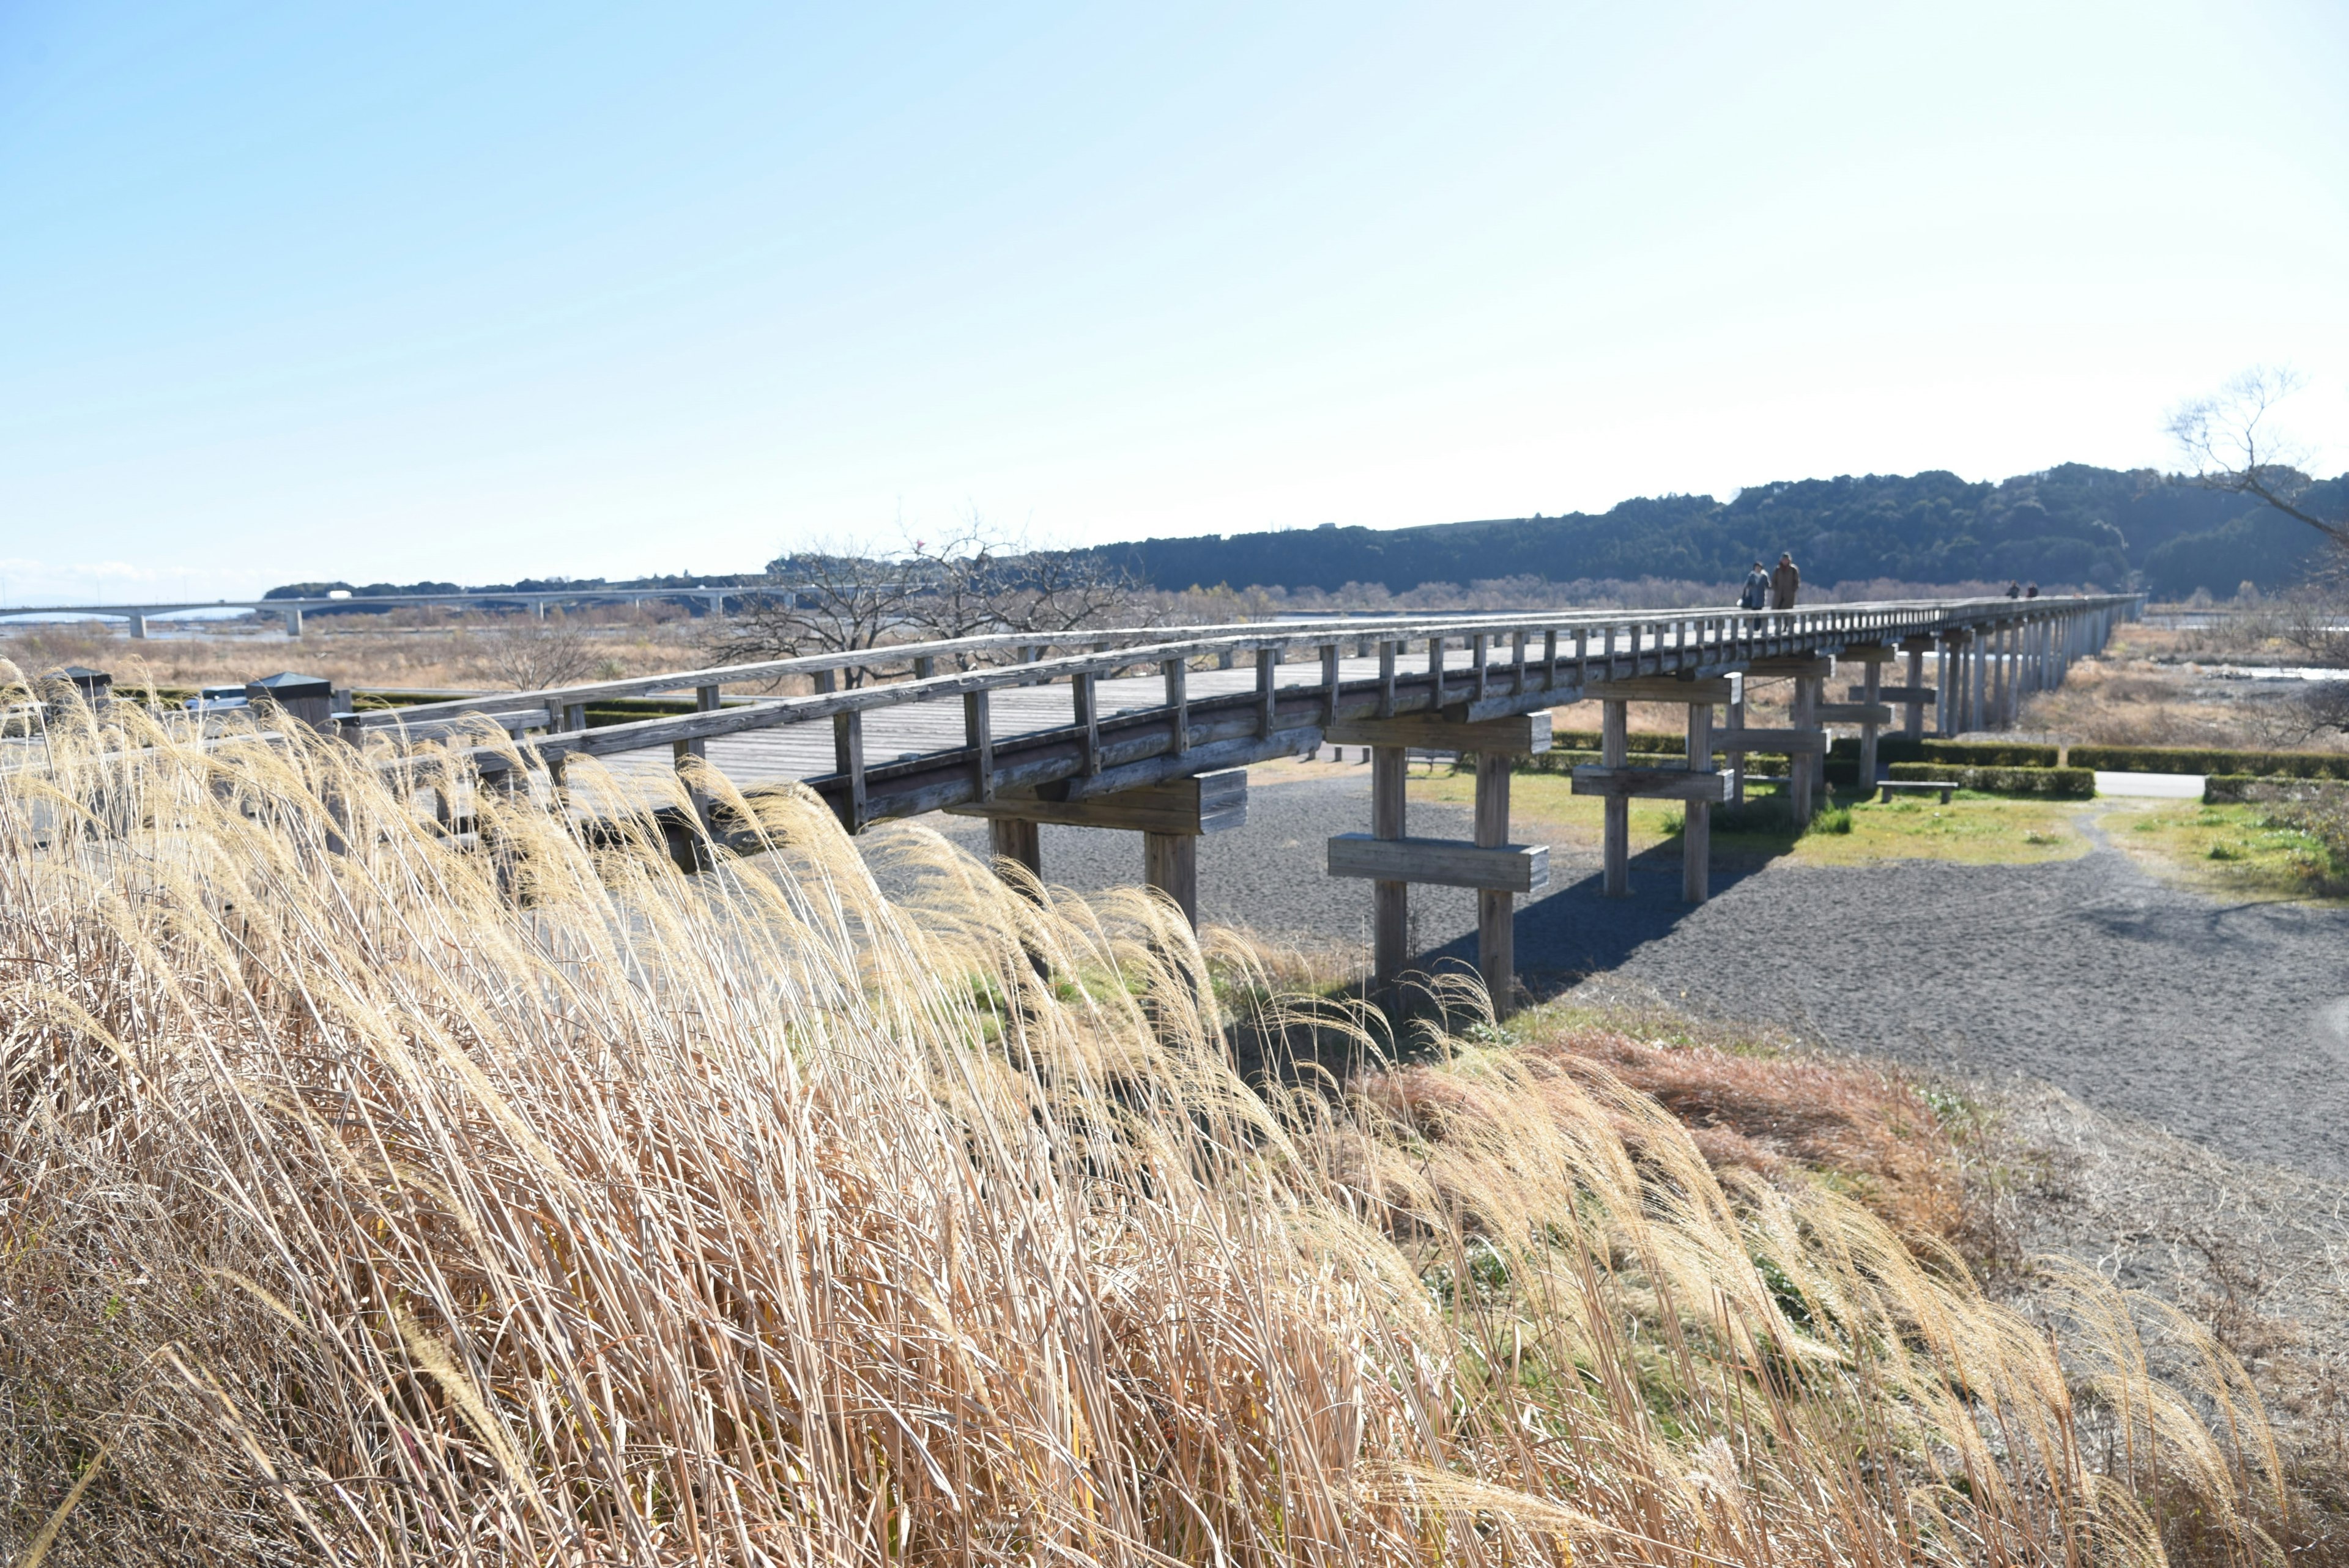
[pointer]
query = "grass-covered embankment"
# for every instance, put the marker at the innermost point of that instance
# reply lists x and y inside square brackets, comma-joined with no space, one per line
[375,1199]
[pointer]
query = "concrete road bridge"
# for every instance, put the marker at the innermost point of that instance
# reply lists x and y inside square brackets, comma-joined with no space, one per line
[1151,729]
[138,616]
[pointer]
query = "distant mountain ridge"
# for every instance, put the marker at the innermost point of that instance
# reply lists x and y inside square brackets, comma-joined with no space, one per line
[2072,525]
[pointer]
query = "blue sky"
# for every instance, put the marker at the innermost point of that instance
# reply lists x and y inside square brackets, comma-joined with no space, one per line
[319,292]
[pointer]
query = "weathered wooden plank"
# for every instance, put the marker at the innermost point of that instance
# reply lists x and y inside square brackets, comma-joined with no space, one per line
[1207,803]
[1652,783]
[1791,667]
[1446,863]
[1852,713]
[1784,742]
[1897,694]
[1666,689]
[1519,735]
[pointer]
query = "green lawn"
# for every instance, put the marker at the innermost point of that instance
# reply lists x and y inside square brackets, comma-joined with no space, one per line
[1979,830]
[2232,851]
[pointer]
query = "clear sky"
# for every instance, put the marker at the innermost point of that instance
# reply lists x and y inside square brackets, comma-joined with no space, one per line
[472,292]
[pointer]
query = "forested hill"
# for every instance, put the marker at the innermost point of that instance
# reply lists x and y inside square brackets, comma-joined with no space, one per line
[2070,526]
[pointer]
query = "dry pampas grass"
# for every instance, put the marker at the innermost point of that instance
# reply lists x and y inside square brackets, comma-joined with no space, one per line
[374,1194]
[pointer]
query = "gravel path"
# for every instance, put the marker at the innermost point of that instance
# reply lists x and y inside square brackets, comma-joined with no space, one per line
[2226,1024]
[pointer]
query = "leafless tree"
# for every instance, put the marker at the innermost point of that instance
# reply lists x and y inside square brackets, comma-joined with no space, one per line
[973,582]
[525,653]
[2230,444]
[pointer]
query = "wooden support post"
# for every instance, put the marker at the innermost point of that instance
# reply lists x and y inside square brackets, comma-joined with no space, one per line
[1803,768]
[978,735]
[1736,712]
[848,758]
[1978,692]
[1084,696]
[1389,901]
[1018,840]
[1496,907]
[1178,705]
[1615,751]
[1267,673]
[1696,821]
[1387,652]
[1870,684]
[1331,678]
[1913,727]
[1170,863]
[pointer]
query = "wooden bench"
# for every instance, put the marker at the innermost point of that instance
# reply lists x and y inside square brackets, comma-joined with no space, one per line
[1941,785]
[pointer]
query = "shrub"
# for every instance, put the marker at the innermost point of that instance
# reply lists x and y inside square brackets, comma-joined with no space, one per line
[2222,788]
[1835,821]
[2061,783]
[2212,759]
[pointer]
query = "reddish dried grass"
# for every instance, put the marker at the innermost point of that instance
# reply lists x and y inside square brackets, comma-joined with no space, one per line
[1868,1134]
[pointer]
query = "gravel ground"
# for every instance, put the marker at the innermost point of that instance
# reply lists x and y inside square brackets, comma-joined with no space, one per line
[2228,1025]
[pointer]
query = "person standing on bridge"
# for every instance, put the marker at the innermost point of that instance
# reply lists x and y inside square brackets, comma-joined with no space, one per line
[1756,596]
[1785,582]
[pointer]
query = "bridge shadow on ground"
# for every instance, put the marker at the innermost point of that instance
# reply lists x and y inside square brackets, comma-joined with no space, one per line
[1571,933]
[1575,930]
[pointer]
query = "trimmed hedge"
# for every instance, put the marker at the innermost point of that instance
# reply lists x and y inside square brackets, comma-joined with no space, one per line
[2203,760]
[1890,748]
[2061,783]
[2229,789]
[1653,741]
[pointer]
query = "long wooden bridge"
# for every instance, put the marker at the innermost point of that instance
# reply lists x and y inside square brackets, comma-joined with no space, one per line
[1151,729]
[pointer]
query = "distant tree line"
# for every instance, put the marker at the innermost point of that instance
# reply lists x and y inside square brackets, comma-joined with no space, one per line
[2073,526]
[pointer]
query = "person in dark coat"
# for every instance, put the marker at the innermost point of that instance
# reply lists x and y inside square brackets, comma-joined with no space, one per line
[1785,582]
[1756,596]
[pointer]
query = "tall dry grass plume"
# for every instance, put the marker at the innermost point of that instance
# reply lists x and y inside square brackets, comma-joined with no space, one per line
[372,1195]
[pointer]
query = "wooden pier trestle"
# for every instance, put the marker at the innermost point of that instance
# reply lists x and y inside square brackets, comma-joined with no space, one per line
[1151,729]
[1499,871]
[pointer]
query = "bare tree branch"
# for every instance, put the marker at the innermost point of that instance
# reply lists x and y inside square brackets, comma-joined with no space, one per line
[972,583]
[2230,445]
[525,653]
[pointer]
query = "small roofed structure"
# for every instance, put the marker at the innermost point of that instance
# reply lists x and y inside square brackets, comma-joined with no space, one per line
[96,686]
[310,699]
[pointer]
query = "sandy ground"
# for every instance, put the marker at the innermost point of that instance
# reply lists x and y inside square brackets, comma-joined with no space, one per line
[2223,1025]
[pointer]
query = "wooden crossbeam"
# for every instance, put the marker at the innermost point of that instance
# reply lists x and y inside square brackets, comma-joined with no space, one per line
[1778,742]
[1520,736]
[1446,863]
[1791,667]
[1204,803]
[1666,689]
[1652,783]
[1899,694]
[1852,713]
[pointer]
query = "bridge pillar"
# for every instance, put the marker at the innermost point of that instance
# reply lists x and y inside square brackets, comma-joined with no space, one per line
[1696,821]
[1804,768]
[1872,661]
[293,622]
[1912,725]
[1019,840]
[1496,921]
[1615,751]
[138,626]
[1170,817]
[1389,901]
[1495,868]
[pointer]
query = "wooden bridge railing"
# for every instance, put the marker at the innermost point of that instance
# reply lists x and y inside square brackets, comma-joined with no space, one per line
[1515,663]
